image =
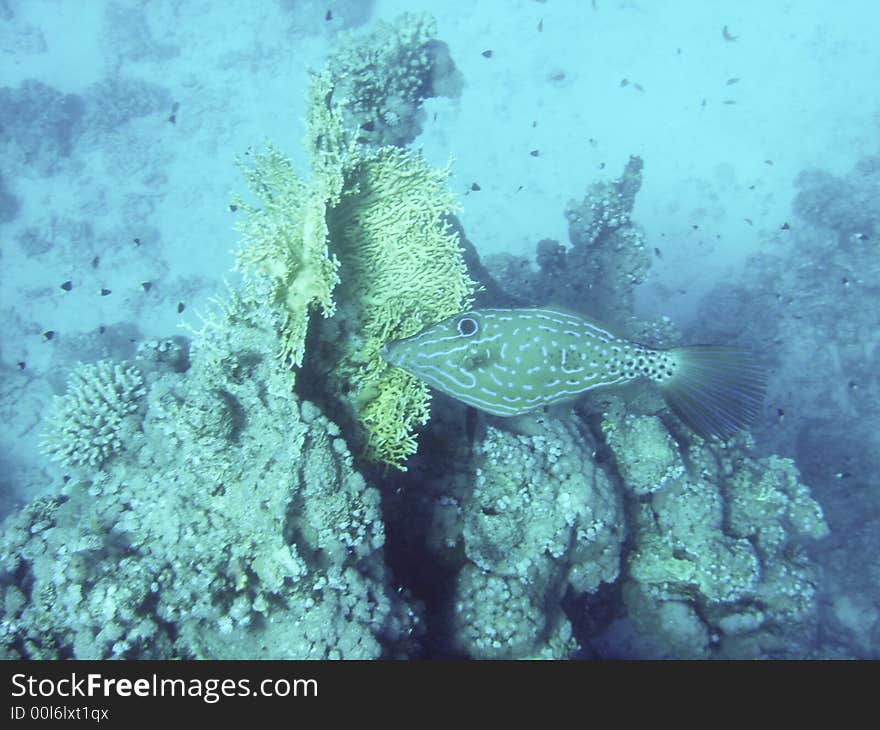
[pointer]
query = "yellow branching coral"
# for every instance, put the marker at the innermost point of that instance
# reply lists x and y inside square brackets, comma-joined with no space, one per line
[374,218]
[284,247]
[403,270]
[329,147]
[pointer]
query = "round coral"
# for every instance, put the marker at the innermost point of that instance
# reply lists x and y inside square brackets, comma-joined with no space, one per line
[89,423]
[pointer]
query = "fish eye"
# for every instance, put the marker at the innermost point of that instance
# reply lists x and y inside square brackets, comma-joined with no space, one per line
[467,326]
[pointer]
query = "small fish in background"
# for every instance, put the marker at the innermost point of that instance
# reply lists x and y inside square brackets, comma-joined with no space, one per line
[512,361]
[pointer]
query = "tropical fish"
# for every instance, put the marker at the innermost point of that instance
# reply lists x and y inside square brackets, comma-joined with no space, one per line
[512,361]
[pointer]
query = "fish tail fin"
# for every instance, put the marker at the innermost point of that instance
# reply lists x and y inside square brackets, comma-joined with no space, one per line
[714,389]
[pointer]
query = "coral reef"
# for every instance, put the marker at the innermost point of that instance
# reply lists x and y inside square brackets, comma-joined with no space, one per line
[608,253]
[541,520]
[500,617]
[236,527]
[606,207]
[651,454]
[211,509]
[716,563]
[814,301]
[96,418]
[383,78]
[518,520]
[606,260]
[809,304]
[718,535]
[382,213]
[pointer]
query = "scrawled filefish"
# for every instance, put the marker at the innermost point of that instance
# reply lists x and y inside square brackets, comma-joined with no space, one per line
[512,361]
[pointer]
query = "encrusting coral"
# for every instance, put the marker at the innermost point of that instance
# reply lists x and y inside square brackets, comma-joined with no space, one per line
[540,522]
[718,533]
[385,76]
[607,257]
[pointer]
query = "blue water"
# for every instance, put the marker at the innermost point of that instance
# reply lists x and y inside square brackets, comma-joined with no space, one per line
[758,214]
